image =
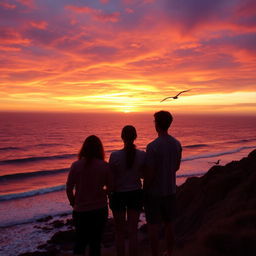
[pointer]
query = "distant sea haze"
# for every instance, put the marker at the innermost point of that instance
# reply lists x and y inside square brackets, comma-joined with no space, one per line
[36,151]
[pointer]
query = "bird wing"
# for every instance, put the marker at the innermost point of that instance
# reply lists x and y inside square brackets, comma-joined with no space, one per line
[166,99]
[181,92]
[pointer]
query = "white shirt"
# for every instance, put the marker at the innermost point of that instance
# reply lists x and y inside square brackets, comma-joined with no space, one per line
[126,179]
[163,155]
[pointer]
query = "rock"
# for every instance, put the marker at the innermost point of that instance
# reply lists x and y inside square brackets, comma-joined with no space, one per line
[69,222]
[44,219]
[53,252]
[62,237]
[216,212]
[57,223]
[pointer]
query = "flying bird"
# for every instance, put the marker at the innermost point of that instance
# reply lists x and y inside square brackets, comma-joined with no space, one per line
[216,163]
[174,97]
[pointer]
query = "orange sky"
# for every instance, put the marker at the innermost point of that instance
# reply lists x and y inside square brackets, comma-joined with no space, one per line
[126,55]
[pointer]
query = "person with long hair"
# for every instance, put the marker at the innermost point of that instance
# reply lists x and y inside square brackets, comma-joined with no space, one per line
[126,198]
[89,177]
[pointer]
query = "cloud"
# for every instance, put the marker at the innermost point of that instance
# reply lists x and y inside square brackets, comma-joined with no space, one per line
[97,14]
[39,24]
[7,5]
[141,49]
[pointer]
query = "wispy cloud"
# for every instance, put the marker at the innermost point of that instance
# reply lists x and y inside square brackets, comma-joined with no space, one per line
[72,55]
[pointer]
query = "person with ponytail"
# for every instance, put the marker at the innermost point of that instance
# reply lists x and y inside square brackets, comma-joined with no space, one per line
[90,177]
[126,199]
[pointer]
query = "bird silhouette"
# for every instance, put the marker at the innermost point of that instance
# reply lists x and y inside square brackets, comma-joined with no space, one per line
[216,163]
[174,97]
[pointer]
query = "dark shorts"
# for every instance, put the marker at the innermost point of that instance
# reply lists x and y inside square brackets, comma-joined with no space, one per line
[159,208]
[122,201]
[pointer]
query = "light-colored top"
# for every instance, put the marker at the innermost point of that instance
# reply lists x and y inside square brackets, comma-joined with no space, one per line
[126,179]
[89,181]
[163,156]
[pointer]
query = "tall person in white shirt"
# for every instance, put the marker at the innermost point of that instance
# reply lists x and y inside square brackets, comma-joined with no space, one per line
[126,199]
[163,158]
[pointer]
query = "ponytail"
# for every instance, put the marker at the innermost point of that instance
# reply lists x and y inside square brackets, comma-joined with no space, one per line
[128,135]
[130,154]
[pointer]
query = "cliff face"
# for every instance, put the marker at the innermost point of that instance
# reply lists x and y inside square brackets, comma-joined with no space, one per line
[216,213]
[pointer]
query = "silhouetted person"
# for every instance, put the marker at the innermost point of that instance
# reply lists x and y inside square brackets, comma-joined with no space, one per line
[163,158]
[89,176]
[126,199]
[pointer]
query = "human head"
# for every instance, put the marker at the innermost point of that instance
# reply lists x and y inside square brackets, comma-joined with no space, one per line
[129,134]
[163,120]
[92,148]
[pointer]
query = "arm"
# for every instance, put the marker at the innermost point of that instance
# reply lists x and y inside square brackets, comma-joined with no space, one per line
[143,166]
[111,177]
[109,180]
[70,185]
[149,171]
[179,158]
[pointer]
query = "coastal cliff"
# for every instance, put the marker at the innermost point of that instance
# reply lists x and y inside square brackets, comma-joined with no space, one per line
[216,216]
[216,213]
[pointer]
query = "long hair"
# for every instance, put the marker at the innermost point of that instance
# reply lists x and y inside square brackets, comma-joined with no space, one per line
[92,148]
[128,135]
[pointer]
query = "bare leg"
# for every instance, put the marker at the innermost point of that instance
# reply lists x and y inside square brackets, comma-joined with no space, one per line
[169,235]
[119,218]
[132,221]
[153,230]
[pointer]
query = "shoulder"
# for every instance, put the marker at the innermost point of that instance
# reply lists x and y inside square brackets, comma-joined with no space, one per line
[102,163]
[76,164]
[140,153]
[176,141]
[116,154]
[153,144]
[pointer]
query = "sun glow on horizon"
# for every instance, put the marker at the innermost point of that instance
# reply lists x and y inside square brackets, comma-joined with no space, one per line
[98,56]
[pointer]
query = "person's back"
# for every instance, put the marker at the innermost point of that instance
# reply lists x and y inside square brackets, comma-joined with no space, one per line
[163,158]
[163,154]
[126,198]
[89,180]
[127,179]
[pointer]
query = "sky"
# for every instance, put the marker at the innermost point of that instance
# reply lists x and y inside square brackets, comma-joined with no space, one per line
[127,55]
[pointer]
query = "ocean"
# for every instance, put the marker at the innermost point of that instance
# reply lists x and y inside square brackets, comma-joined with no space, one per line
[37,149]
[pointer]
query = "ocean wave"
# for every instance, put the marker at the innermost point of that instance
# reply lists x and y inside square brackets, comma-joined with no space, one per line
[36,158]
[47,145]
[196,146]
[33,220]
[216,154]
[31,193]
[188,175]
[9,148]
[241,141]
[24,175]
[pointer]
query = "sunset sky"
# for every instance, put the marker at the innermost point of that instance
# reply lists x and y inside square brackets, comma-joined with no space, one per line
[127,55]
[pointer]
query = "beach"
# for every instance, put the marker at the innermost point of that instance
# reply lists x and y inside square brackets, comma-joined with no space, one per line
[37,151]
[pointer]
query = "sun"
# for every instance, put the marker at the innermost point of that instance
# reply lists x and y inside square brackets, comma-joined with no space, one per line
[128,109]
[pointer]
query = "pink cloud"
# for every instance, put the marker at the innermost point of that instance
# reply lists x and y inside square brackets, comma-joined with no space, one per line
[129,10]
[11,36]
[7,5]
[28,3]
[39,24]
[97,14]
